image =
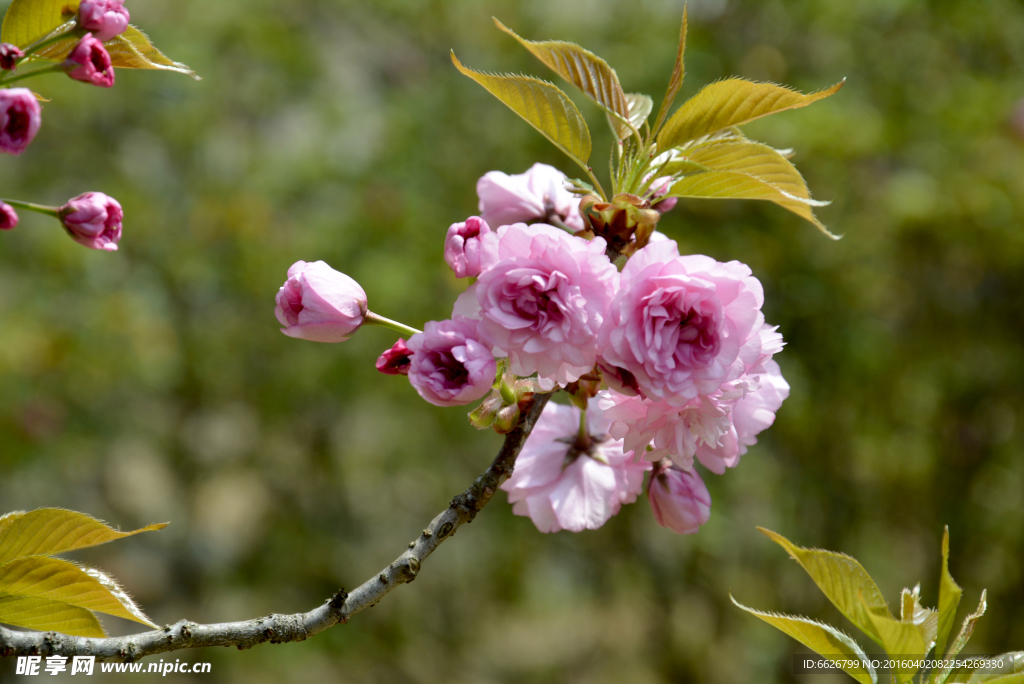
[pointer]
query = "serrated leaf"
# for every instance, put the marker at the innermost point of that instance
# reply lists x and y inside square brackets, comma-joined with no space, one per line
[843,580]
[542,105]
[732,102]
[748,170]
[926,619]
[1011,673]
[586,71]
[899,639]
[640,107]
[129,50]
[47,531]
[676,80]
[53,579]
[823,639]
[44,615]
[963,637]
[26,21]
[949,599]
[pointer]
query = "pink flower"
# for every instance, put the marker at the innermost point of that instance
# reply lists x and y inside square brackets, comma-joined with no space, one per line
[677,325]
[89,62]
[395,361]
[716,428]
[320,304]
[93,219]
[469,247]
[9,56]
[20,117]
[537,195]
[543,301]
[8,217]
[105,18]
[563,482]
[679,500]
[449,364]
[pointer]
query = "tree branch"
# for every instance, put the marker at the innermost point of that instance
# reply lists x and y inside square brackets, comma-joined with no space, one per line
[278,629]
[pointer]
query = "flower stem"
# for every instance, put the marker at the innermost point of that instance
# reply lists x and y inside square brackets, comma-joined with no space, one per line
[35,72]
[49,211]
[373,319]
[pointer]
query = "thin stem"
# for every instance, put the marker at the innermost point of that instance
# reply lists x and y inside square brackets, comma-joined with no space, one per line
[373,319]
[597,183]
[35,72]
[39,208]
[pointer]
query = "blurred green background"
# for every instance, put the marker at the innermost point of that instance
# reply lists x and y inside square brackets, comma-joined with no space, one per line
[152,384]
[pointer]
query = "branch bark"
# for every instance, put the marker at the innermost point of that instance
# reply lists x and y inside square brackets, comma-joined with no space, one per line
[278,629]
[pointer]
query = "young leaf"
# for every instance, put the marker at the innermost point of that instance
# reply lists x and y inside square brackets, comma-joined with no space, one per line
[47,531]
[53,579]
[926,619]
[640,107]
[129,50]
[823,639]
[843,580]
[748,170]
[27,21]
[586,71]
[728,103]
[899,639]
[949,598]
[542,105]
[961,640]
[675,82]
[44,615]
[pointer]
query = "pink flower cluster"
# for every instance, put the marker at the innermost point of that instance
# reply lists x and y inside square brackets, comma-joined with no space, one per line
[679,341]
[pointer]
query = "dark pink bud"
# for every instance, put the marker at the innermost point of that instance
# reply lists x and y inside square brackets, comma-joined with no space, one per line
[20,117]
[660,188]
[9,55]
[679,500]
[8,217]
[89,62]
[94,220]
[395,361]
[105,18]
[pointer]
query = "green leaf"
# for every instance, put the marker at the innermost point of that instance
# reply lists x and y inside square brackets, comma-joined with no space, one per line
[1011,673]
[27,21]
[53,579]
[899,639]
[747,170]
[728,103]
[843,580]
[640,107]
[965,635]
[823,639]
[586,71]
[47,531]
[44,615]
[926,619]
[542,105]
[949,599]
[676,81]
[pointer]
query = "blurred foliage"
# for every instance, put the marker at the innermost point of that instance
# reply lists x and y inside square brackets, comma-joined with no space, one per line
[152,384]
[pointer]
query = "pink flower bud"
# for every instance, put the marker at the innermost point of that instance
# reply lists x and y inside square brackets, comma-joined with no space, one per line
[660,188]
[320,304]
[94,220]
[20,118]
[105,18]
[395,361]
[89,62]
[470,247]
[9,56]
[679,500]
[8,217]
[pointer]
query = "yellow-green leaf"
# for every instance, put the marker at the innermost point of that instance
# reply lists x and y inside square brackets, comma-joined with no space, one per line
[823,639]
[949,598]
[45,615]
[586,71]
[926,619]
[676,81]
[965,635]
[27,21]
[47,531]
[129,50]
[732,102]
[542,105]
[1012,671]
[843,580]
[748,170]
[53,579]
[899,639]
